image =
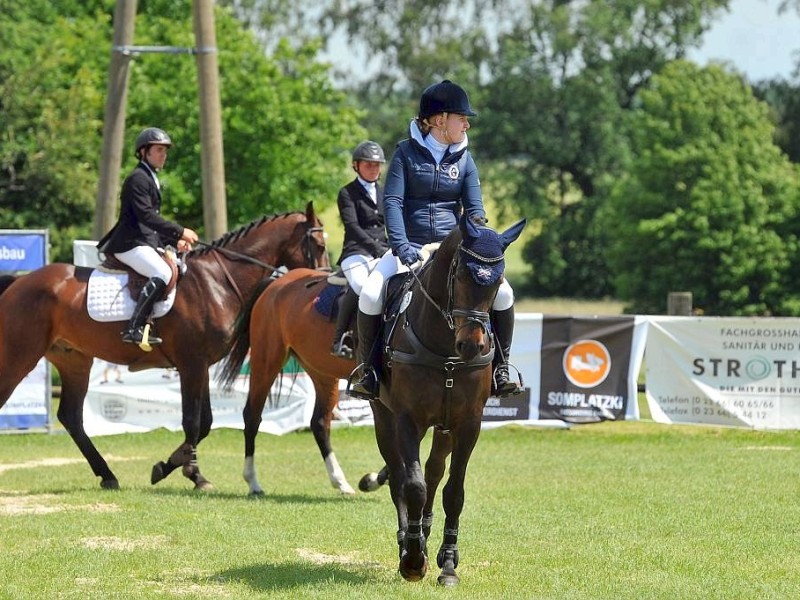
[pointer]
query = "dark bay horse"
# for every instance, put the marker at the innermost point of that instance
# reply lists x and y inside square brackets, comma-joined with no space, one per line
[283,320]
[439,376]
[44,313]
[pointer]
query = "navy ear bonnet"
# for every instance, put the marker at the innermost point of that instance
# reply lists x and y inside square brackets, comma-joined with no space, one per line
[482,253]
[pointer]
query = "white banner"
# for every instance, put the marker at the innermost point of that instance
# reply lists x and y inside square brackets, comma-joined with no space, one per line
[149,399]
[735,371]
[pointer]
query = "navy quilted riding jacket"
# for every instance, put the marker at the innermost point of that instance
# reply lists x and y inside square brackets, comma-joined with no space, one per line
[422,200]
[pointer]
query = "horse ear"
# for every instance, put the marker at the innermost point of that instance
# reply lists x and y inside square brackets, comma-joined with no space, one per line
[469,227]
[310,211]
[512,233]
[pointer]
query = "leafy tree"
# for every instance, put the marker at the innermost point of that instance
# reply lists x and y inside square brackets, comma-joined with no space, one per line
[287,131]
[707,204]
[784,99]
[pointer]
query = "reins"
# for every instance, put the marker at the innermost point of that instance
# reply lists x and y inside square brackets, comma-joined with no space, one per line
[234,254]
[421,355]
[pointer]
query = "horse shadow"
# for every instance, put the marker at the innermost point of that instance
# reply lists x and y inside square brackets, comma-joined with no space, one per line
[267,577]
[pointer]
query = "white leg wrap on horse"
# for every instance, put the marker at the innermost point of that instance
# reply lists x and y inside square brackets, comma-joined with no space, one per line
[336,475]
[249,474]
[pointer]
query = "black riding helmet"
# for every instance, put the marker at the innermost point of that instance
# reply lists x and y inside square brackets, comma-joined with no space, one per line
[150,136]
[444,97]
[370,151]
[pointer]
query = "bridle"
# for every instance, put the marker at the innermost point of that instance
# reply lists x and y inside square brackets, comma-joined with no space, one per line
[308,248]
[478,317]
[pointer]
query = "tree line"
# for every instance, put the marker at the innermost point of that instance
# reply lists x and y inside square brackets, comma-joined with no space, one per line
[639,171]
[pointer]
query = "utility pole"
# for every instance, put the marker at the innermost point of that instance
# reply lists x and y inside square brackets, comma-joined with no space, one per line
[114,123]
[215,215]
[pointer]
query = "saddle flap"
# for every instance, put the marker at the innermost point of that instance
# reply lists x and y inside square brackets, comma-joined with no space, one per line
[136,281]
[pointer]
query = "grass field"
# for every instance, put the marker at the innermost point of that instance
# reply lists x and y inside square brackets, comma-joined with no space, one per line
[614,510]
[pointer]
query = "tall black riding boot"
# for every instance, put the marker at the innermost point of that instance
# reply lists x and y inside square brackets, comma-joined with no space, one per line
[151,292]
[367,387]
[503,385]
[342,340]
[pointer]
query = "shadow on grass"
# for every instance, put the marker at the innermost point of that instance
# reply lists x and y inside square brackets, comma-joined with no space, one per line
[274,498]
[271,577]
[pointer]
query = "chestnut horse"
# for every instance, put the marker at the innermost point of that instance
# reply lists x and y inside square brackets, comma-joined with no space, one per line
[44,313]
[438,375]
[283,320]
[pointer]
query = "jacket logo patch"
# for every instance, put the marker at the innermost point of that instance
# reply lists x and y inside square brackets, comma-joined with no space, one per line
[452,172]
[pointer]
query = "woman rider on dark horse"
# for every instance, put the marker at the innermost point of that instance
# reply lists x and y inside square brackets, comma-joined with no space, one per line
[360,205]
[431,179]
[141,232]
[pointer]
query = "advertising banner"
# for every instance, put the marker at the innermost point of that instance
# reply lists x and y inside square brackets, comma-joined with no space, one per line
[589,368]
[22,251]
[733,371]
[150,399]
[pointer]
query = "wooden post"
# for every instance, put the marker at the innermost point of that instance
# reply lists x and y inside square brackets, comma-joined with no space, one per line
[679,303]
[215,215]
[114,123]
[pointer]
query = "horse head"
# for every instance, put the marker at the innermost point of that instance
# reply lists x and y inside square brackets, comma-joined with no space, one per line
[476,273]
[306,247]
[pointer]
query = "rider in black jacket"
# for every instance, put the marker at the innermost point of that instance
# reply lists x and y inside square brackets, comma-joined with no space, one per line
[361,210]
[141,231]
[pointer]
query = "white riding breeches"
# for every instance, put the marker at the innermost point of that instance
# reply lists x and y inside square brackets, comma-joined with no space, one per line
[356,270]
[146,261]
[373,294]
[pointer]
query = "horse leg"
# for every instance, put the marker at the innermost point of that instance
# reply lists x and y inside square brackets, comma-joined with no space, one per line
[265,365]
[434,472]
[384,436]
[413,559]
[74,370]
[453,501]
[327,396]
[196,421]
[372,481]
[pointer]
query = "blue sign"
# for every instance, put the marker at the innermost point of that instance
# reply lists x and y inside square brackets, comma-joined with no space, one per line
[21,251]
[29,404]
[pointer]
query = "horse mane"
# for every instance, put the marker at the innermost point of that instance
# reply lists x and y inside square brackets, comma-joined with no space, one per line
[232,236]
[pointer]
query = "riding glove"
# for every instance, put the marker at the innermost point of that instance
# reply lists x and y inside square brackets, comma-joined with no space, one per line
[408,255]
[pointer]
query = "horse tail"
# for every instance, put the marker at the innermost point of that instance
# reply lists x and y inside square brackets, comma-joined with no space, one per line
[239,345]
[5,281]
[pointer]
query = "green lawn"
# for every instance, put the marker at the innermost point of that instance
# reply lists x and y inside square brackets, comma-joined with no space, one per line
[615,510]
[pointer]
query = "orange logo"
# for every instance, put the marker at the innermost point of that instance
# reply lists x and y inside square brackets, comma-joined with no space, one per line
[587,363]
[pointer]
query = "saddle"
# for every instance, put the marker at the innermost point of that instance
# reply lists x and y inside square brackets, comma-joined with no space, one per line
[136,280]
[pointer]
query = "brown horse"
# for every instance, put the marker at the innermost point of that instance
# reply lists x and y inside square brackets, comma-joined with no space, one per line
[283,320]
[438,375]
[44,313]
[440,356]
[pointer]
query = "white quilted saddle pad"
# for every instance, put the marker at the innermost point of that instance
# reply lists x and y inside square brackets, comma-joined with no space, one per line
[107,298]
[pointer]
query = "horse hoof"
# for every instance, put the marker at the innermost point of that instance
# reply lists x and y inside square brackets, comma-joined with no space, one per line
[413,572]
[204,486]
[346,490]
[449,579]
[256,494]
[157,474]
[109,484]
[369,482]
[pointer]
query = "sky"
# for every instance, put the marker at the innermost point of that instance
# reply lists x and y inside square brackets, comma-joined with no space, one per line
[755,39]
